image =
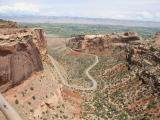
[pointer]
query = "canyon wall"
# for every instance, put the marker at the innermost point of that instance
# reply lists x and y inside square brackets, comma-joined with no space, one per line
[156,39]
[21,53]
[145,57]
[7,24]
[94,43]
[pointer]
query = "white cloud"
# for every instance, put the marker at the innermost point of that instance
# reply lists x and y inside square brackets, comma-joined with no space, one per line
[147,15]
[19,7]
[157,14]
[147,10]
[130,15]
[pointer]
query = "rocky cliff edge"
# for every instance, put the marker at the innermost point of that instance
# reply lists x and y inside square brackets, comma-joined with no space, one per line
[22,52]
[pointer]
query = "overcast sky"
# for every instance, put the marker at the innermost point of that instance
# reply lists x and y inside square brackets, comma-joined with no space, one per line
[148,10]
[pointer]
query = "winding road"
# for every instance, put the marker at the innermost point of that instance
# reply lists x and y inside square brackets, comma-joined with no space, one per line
[64,81]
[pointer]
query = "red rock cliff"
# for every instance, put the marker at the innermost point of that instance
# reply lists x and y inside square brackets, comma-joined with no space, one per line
[7,24]
[21,54]
[94,43]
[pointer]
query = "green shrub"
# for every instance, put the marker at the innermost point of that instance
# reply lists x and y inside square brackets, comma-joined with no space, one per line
[16,101]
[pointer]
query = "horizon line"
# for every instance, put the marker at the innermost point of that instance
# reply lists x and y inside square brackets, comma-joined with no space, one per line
[80,17]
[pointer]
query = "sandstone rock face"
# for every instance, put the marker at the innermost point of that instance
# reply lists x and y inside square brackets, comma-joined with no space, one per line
[157,40]
[146,58]
[7,24]
[92,43]
[125,37]
[40,41]
[21,53]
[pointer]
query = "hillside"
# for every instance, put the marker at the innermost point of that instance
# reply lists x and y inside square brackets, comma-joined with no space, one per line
[28,79]
[127,76]
[114,75]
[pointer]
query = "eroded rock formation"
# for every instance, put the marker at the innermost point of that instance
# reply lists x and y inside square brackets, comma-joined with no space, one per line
[93,43]
[21,53]
[7,24]
[156,38]
[145,56]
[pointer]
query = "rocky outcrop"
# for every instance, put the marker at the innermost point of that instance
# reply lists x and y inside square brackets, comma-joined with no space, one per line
[21,54]
[156,40]
[141,54]
[146,59]
[40,41]
[7,24]
[93,43]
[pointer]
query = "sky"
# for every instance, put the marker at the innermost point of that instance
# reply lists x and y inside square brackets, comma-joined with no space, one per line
[146,10]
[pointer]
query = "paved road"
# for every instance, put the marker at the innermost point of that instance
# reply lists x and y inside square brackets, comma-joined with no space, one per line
[64,81]
[7,110]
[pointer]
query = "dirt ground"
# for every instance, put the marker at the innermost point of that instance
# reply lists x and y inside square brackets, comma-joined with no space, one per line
[41,96]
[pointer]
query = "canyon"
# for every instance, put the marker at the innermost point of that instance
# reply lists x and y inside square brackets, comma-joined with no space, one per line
[143,54]
[28,80]
[127,75]
[84,77]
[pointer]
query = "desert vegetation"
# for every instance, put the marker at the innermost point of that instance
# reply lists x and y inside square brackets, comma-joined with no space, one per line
[74,65]
[68,30]
[120,95]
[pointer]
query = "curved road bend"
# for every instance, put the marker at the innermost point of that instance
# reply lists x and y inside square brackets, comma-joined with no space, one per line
[93,87]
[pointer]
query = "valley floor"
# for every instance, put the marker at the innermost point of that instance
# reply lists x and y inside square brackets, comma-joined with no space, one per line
[40,97]
[118,94]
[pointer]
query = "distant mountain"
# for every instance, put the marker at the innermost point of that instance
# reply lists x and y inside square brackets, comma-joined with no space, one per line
[79,20]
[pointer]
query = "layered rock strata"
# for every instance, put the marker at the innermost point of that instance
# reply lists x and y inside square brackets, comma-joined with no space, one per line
[92,43]
[7,24]
[145,56]
[21,54]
